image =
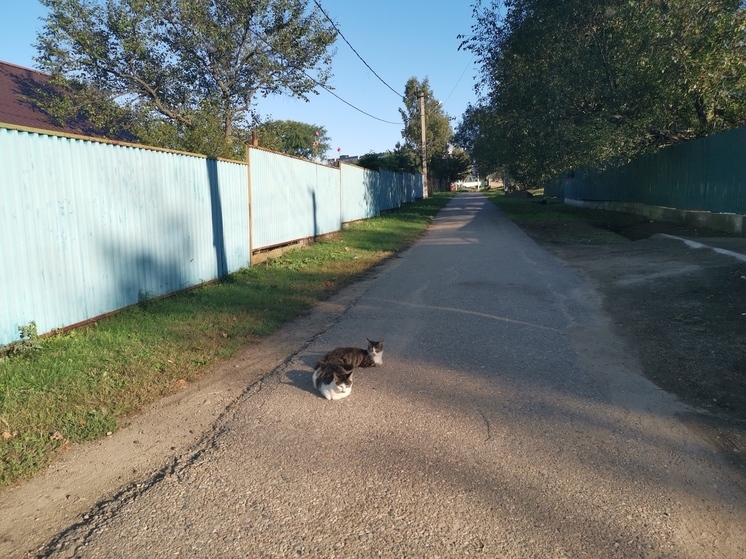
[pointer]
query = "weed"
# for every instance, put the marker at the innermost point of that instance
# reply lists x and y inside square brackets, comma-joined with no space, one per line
[28,341]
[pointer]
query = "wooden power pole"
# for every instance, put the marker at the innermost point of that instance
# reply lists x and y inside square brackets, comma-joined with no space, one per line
[424,144]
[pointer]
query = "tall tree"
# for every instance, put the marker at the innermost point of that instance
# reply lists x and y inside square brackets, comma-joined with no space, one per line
[437,123]
[574,83]
[294,138]
[399,160]
[453,165]
[189,63]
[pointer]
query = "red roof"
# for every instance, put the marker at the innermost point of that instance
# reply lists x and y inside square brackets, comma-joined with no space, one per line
[15,83]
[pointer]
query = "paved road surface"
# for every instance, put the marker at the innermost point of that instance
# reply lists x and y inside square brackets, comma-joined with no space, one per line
[506,421]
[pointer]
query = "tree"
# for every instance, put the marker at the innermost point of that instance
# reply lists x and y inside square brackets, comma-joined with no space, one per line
[437,123]
[479,135]
[294,138]
[370,160]
[452,166]
[576,83]
[80,109]
[193,65]
[399,160]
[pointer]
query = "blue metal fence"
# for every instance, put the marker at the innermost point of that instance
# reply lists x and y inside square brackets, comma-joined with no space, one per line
[291,198]
[88,227]
[360,193]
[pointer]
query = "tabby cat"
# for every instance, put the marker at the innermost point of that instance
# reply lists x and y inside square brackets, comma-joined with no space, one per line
[333,381]
[351,357]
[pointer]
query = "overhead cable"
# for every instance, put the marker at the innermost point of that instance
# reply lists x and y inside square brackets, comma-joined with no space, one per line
[459,79]
[334,25]
[314,80]
[347,102]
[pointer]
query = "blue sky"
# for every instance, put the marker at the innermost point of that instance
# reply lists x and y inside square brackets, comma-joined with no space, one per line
[397,38]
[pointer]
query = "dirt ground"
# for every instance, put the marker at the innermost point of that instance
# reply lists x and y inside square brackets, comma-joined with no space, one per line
[681,309]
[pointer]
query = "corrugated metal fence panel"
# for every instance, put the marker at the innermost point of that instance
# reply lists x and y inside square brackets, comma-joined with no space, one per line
[367,193]
[89,227]
[707,174]
[389,194]
[359,193]
[726,170]
[234,205]
[413,187]
[327,213]
[292,199]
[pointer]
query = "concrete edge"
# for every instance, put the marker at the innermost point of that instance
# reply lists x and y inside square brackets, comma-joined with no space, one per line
[731,223]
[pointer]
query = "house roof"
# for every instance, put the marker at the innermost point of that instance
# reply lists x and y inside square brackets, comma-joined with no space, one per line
[15,83]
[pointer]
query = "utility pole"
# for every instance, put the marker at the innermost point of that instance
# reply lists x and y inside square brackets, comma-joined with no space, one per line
[424,144]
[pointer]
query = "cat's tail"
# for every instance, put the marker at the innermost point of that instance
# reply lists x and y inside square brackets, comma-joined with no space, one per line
[316,374]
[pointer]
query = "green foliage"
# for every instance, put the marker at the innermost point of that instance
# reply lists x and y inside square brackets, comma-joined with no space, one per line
[576,83]
[479,135]
[205,134]
[437,123]
[400,160]
[372,161]
[79,108]
[299,139]
[188,70]
[451,166]
[28,340]
[407,157]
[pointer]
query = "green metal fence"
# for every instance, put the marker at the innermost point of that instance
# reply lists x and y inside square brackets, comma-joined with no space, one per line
[707,174]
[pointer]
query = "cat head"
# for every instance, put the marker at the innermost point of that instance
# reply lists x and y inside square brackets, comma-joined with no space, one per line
[374,347]
[342,378]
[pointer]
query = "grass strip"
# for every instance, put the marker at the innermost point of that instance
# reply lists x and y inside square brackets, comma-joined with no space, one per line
[82,385]
[562,223]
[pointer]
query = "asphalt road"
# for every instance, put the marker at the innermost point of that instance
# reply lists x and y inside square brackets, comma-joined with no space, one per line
[506,421]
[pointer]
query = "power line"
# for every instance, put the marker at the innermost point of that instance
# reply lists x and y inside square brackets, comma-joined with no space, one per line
[348,103]
[334,25]
[442,103]
[319,84]
[459,79]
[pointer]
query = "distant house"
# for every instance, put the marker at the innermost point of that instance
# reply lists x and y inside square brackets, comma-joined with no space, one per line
[18,85]
[351,159]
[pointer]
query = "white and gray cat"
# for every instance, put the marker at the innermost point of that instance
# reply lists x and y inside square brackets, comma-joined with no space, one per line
[351,357]
[333,374]
[332,380]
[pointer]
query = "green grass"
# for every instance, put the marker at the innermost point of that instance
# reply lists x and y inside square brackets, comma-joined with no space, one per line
[560,222]
[82,385]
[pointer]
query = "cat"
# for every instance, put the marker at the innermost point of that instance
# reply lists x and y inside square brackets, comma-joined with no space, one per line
[351,357]
[333,381]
